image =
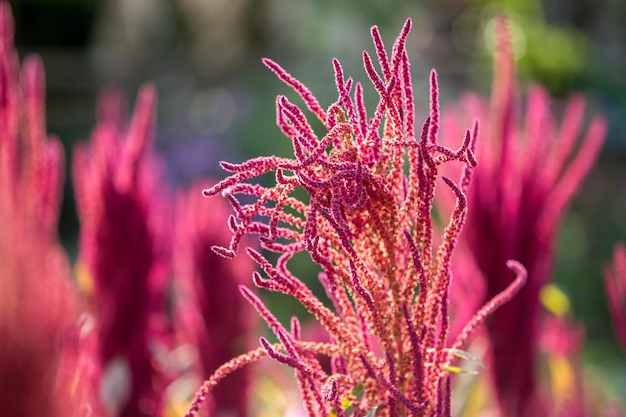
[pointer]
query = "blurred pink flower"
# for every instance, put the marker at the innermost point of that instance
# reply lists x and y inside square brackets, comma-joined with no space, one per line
[123,252]
[38,307]
[528,174]
[210,313]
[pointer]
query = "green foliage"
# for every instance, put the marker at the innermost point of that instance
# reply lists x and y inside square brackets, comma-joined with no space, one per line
[552,55]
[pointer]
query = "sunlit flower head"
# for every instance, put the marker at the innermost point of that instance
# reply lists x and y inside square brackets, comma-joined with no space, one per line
[371,181]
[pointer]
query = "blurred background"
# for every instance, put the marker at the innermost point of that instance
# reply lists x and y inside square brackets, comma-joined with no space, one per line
[216,99]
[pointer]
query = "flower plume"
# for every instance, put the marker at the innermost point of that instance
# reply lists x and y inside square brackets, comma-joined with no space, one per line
[368,225]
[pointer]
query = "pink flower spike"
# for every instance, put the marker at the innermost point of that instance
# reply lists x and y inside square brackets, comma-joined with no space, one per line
[370,230]
[295,328]
[339,77]
[360,108]
[344,91]
[400,45]
[380,52]
[434,108]
[308,98]
[261,309]
[373,75]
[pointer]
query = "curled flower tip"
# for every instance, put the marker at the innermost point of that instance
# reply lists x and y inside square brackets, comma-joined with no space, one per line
[496,302]
[330,391]
[521,275]
[209,192]
[306,95]
[230,167]
[223,252]
[462,199]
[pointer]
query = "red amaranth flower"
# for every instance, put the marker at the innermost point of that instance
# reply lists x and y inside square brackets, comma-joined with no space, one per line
[369,227]
[38,314]
[615,285]
[211,315]
[122,247]
[527,177]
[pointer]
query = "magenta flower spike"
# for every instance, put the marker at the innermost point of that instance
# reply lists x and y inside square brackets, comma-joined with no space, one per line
[123,253]
[367,224]
[38,312]
[210,313]
[615,285]
[529,172]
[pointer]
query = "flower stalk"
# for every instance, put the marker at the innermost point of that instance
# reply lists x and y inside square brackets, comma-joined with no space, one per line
[371,182]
